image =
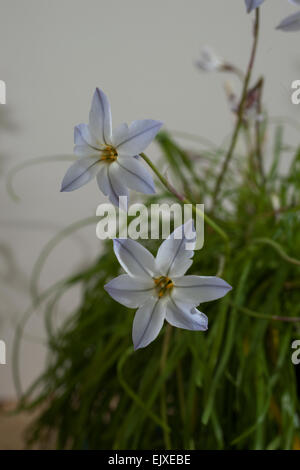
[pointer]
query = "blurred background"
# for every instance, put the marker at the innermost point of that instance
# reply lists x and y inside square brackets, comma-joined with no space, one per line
[142,54]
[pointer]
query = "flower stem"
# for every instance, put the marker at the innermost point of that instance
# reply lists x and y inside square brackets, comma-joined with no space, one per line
[162,179]
[232,68]
[184,200]
[240,112]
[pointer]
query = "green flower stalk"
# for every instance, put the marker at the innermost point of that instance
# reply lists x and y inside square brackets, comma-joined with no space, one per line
[236,386]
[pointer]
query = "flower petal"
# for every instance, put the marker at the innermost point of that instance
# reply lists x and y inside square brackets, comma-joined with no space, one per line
[112,186]
[135,175]
[80,173]
[182,316]
[82,136]
[129,291]
[119,134]
[291,23]
[148,322]
[197,289]
[138,137]
[252,4]
[85,151]
[100,118]
[173,258]
[134,258]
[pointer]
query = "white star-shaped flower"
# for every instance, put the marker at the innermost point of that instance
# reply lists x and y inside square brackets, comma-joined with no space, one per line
[159,288]
[111,155]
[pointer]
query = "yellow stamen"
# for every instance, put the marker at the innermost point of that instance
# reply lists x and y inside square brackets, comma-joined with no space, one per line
[163,285]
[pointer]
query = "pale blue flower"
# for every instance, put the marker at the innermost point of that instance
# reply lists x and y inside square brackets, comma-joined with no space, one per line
[159,288]
[111,155]
[291,23]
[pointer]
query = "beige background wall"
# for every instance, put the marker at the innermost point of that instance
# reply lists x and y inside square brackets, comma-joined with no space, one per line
[53,53]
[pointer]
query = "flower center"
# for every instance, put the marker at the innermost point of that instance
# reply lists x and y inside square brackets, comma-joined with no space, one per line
[109,154]
[163,285]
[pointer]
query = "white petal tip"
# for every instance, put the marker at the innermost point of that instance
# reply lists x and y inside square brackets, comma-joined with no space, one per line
[227,287]
[136,345]
[98,90]
[65,189]
[151,191]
